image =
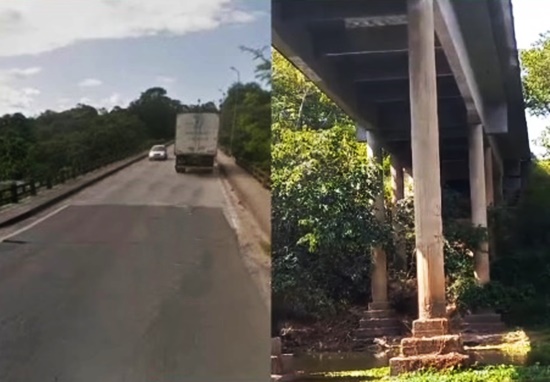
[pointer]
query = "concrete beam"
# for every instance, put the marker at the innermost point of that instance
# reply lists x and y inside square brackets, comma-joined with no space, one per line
[335,38]
[404,134]
[383,77]
[396,90]
[331,39]
[291,42]
[371,53]
[451,112]
[394,67]
[308,11]
[450,36]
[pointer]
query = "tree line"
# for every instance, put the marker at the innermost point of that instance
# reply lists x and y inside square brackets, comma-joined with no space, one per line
[246,116]
[83,136]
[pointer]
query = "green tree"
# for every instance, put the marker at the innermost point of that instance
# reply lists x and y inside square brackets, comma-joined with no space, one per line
[323,220]
[536,84]
[157,111]
[246,114]
[536,76]
[263,68]
[81,137]
[299,101]
[323,187]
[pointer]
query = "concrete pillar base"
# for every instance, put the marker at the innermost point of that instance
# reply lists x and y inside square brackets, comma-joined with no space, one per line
[449,343]
[379,305]
[430,327]
[430,347]
[401,365]
[485,322]
[281,365]
[378,323]
[282,368]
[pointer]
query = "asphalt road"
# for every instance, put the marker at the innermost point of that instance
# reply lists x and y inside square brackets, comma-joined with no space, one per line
[139,279]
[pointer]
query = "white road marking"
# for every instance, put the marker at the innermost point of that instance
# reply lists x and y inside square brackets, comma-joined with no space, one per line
[33,224]
[229,211]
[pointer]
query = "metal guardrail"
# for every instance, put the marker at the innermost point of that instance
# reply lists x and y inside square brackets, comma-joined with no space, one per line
[260,175]
[16,191]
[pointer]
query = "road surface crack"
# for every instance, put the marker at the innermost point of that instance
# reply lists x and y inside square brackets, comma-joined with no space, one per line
[12,241]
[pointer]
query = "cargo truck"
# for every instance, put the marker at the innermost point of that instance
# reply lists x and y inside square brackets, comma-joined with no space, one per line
[196,143]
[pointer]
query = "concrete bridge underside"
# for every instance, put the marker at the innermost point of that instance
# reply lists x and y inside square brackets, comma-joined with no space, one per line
[357,52]
[436,84]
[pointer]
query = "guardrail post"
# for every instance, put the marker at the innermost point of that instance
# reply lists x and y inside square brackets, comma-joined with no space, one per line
[33,187]
[14,193]
[49,183]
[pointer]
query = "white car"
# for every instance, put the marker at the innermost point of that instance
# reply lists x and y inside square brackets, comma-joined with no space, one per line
[158,152]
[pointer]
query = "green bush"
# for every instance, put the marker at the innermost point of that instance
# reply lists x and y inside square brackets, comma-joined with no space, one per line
[323,222]
[522,247]
[324,228]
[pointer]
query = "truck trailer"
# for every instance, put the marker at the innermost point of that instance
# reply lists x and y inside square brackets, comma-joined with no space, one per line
[196,143]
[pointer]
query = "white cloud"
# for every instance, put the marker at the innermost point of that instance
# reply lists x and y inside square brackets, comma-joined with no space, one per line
[14,99]
[165,80]
[37,26]
[30,91]
[10,75]
[108,103]
[113,100]
[24,73]
[63,104]
[90,82]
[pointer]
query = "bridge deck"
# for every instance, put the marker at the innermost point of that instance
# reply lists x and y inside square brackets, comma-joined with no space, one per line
[357,52]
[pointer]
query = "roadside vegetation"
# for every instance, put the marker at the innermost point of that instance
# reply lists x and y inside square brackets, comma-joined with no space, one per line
[246,113]
[84,137]
[324,228]
[497,373]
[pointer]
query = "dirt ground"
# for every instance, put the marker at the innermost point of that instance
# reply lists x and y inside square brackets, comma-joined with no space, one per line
[330,335]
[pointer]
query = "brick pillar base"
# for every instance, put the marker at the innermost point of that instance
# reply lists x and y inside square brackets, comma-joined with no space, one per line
[431,346]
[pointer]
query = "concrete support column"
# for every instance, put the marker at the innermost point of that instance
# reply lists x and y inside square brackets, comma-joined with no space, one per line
[498,185]
[431,344]
[425,161]
[409,183]
[489,177]
[490,195]
[379,277]
[478,194]
[398,180]
[398,193]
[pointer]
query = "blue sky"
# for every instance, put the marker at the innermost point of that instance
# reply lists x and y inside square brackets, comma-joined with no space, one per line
[57,53]
[531,19]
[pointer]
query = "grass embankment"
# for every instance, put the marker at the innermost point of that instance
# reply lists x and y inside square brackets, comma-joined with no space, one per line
[533,347]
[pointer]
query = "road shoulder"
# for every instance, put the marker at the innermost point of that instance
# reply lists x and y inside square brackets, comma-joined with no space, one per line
[255,247]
